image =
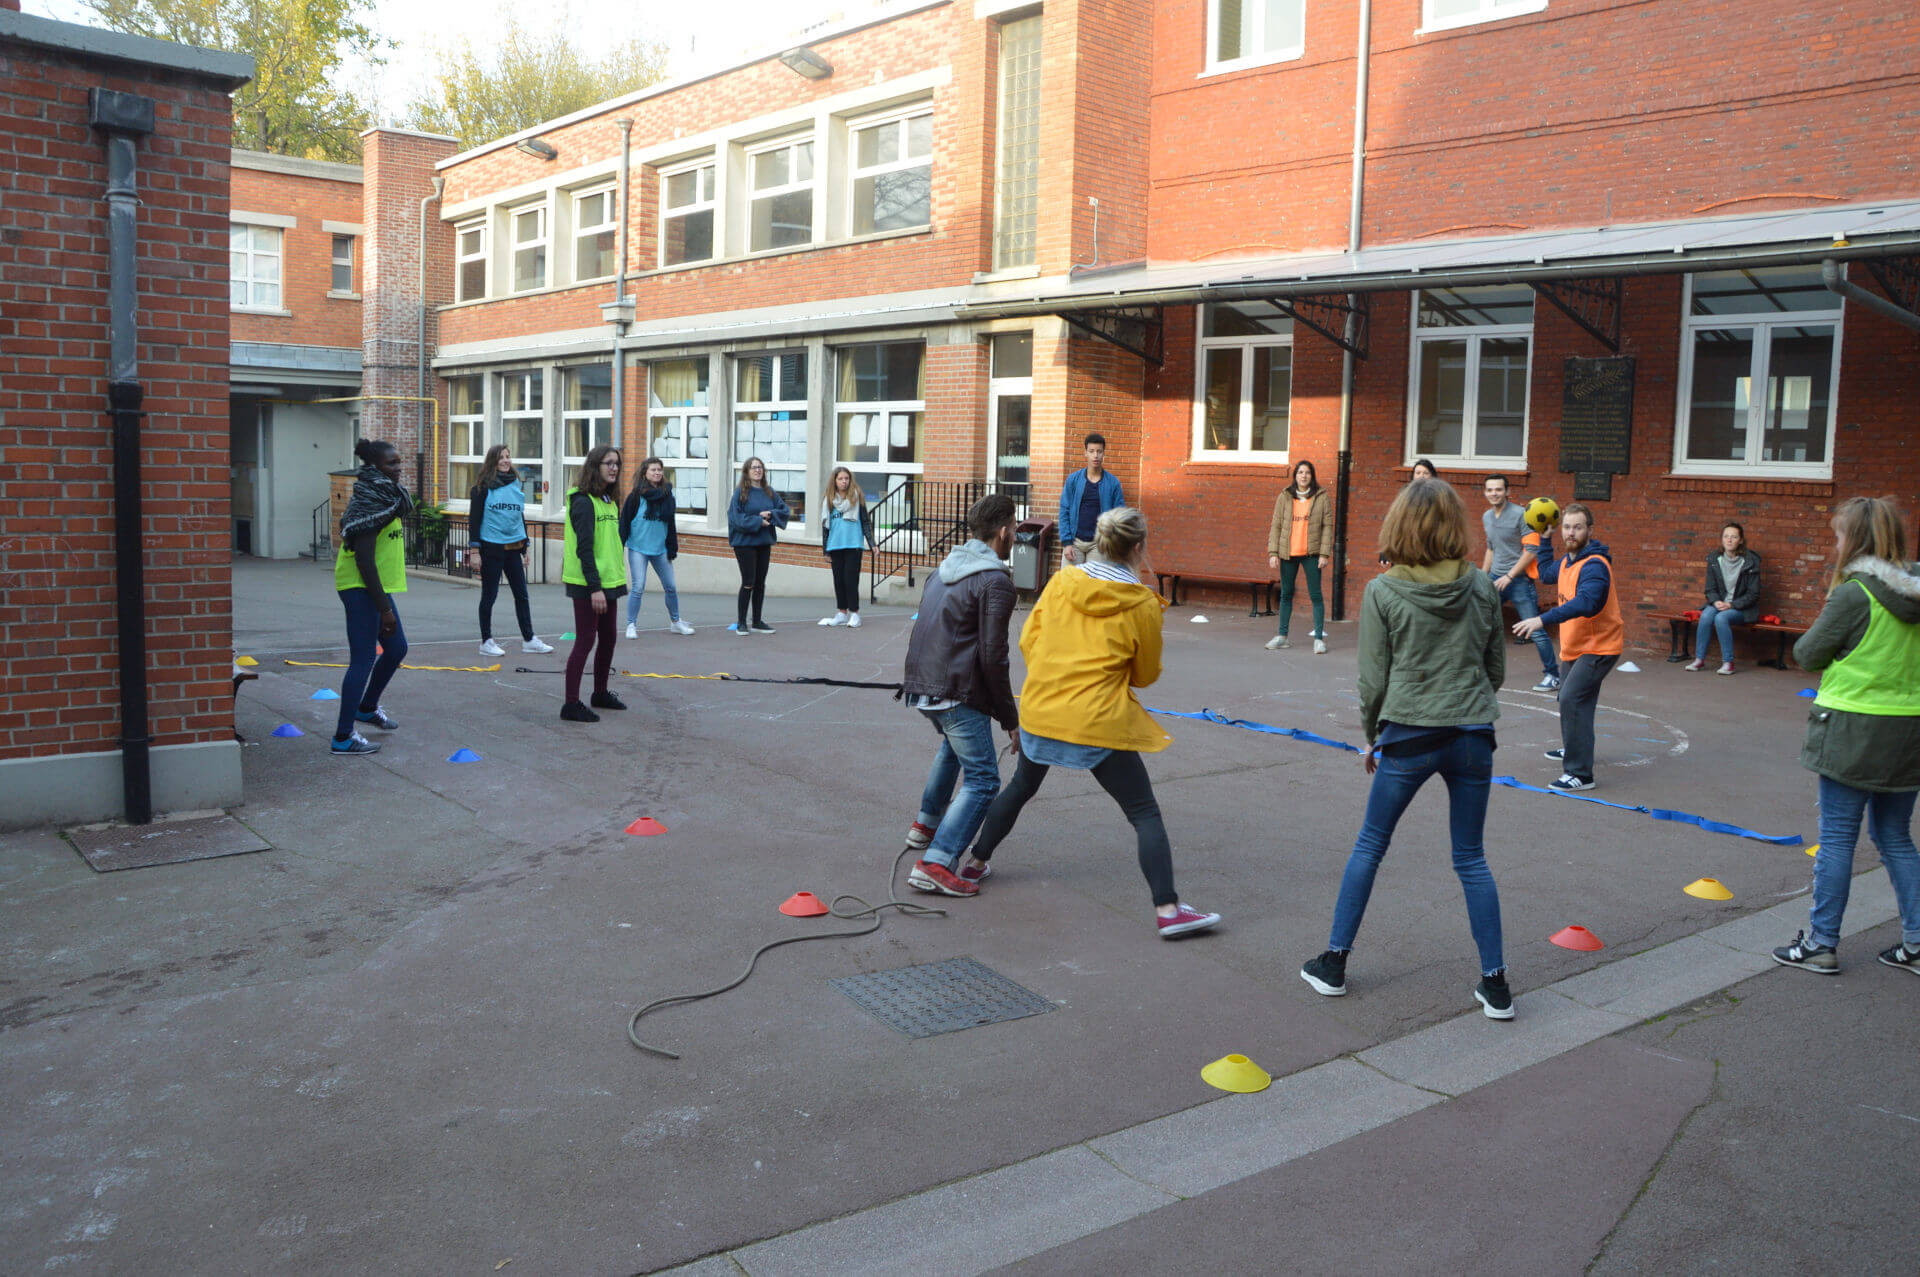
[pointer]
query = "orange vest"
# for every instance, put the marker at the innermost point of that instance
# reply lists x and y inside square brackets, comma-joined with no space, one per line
[1600,635]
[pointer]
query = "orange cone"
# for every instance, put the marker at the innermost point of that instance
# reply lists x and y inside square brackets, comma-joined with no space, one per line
[646,827]
[1576,938]
[803,904]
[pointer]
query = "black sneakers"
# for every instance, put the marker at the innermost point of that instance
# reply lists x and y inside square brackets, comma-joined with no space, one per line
[1496,1001]
[575,712]
[1901,956]
[1808,956]
[607,700]
[1327,974]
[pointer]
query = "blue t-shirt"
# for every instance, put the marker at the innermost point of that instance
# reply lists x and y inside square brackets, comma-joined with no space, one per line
[1089,513]
[647,536]
[844,533]
[505,518]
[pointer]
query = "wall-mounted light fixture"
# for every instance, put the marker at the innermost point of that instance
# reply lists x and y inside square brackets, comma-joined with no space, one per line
[804,61]
[535,147]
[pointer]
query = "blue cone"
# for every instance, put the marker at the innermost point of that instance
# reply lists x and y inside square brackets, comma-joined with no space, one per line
[325,694]
[914,617]
[463,756]
[288,730]
[1807,692]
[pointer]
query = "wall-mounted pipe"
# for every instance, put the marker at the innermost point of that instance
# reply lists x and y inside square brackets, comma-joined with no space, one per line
[1834,275]
[430,441]
[620,287]
[1356,203]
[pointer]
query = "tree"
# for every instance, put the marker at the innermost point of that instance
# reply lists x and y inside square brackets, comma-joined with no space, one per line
[525,78]
[294,105]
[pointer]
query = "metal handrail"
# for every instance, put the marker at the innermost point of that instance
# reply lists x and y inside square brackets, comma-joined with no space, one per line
[919,521]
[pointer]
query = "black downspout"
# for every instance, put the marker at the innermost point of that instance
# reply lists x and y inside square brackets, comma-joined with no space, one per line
[1343,494]
[125,118]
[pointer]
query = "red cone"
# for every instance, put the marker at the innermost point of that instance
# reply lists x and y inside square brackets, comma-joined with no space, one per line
[803,904]
[646,827]
[1576,938]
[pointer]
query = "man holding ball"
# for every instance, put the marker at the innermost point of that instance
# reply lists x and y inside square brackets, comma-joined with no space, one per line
[1592,637]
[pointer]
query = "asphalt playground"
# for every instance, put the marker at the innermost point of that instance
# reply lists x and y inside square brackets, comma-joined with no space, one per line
[397,1040]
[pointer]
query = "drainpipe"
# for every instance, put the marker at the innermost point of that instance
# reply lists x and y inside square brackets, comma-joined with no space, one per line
[125,118]
[1343,480]
[431,442]
[1834,275]
[619,311]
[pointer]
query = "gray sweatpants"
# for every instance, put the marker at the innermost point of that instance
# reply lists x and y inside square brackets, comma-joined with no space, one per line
[1579,694]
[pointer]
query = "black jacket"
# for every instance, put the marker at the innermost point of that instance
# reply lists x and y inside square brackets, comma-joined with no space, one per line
[661,506]
[959,648]
[1746,591]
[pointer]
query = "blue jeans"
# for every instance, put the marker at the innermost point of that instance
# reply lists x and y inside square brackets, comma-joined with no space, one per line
[637,565]
[371,660]
[1841,807]
[967,755]
[1466,763]
[1525,597]
[1713,621]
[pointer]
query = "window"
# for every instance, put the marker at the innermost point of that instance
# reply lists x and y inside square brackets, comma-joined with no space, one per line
[586,415]
[1471,350]
[678,424]
[523,422]
[342,281]
[893,174]
[781,178]
[770,422]
[254,261]
[1250,32]
[529,247]
[1243,407]
[686,219]
[1775,329]
[1010,414]
[466,434]
[593,235]
[1438,15]
[470,261]
[879,402]
[1016,187]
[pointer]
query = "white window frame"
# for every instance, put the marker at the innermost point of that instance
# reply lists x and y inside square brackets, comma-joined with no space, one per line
[901,122]
[800,409]
[556,483]
[278,255]
[336,262]
[810,184]
[706,172]
[1254,13]
[673,420]
[1762,323]
[885,410]
[583,231]
[475,226]
[1474,335]
[543,244]
[1242,453]
[1488,11]
[599,420]
[476,424]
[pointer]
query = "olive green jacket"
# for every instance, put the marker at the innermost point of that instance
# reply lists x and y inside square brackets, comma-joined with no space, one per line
[1432,648]
[1877,752]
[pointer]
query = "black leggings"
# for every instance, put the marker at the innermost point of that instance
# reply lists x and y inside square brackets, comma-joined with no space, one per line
[753,561]
[495,559]
[593,634]
[1124,776]
[846,578]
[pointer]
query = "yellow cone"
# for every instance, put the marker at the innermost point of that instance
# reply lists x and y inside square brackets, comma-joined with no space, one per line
[1813,849]
[246,661]
[1708,889]
[1236,1073]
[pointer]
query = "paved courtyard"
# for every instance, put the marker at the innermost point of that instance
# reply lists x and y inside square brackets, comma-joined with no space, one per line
[396,1041]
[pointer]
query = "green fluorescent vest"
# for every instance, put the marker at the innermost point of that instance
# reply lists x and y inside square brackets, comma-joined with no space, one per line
[1882,674]
[389,559]
[609,556]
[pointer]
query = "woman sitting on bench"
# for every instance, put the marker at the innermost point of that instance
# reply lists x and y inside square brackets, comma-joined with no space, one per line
[1733,593]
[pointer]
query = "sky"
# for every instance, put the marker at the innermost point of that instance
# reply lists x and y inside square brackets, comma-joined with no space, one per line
[697,35]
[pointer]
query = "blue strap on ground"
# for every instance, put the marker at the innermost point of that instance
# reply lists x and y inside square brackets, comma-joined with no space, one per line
[1658,813]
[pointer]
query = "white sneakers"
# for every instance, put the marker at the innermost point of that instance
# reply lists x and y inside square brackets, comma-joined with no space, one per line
[536,644]
[853,623]
[1277,642]
[849,619]
[633,631]
[1319,647]
[680,627]
[491,648]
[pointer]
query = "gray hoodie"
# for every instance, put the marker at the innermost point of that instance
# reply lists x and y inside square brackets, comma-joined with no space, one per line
[1432,653]
[1877,752]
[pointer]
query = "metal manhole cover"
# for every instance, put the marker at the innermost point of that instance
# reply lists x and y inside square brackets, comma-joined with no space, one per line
[941,997]
[165,842]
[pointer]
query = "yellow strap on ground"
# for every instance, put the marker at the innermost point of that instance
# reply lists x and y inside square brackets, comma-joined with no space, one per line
[438,669]
[631,674]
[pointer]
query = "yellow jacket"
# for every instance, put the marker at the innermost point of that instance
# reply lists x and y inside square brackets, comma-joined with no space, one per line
[1087,643]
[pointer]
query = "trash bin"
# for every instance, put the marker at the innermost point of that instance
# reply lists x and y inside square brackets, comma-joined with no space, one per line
[1032,551]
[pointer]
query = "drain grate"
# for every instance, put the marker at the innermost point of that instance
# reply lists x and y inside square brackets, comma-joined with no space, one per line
[941,997]
[165,842]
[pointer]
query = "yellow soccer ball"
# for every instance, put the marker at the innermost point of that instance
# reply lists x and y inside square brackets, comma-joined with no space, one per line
[1542,513]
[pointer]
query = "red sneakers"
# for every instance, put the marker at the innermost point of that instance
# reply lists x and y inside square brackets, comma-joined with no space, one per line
[926,876]
[1185,922]
[975,871]
[918,836]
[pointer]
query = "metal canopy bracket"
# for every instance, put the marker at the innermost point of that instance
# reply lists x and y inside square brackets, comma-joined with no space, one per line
[1594,304]
[1899,278]
[1138,330]
[1327,314]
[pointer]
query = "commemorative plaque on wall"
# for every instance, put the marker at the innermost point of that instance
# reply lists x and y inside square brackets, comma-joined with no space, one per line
[1596,420]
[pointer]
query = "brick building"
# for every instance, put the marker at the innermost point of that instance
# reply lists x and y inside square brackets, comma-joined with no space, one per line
[70,95]
[939,241]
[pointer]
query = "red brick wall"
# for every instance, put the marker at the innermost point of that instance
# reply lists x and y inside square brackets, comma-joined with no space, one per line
[58,684]
[307,258]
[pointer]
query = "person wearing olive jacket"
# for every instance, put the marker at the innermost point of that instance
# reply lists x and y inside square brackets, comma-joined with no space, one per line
[1300,539]
[1432,655]
[1863,732]
[1733,596]
[594,570]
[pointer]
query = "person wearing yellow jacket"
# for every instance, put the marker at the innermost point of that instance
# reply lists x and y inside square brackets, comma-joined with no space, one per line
[1092,638]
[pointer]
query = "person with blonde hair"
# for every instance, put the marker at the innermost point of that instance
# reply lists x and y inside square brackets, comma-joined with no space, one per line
[1432,655]
[846,533]
[1863,732]
[1092,638]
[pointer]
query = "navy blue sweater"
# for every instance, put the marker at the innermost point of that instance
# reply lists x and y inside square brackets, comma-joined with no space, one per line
[743,517]
[1592,594]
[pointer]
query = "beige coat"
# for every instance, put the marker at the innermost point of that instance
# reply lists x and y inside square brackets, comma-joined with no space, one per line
[1319,525]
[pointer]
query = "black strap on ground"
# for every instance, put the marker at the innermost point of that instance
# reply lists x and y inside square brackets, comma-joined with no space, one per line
[740,678]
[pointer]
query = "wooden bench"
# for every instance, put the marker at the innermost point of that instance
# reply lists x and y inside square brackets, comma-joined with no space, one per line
[1680,630]
[1254,586]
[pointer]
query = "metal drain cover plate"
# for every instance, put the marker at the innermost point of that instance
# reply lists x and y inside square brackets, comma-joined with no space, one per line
[165,842]
[941,997]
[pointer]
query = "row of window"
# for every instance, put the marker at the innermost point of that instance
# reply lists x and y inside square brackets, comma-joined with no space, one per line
[256,258]
[1759,370]
[1246,33]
